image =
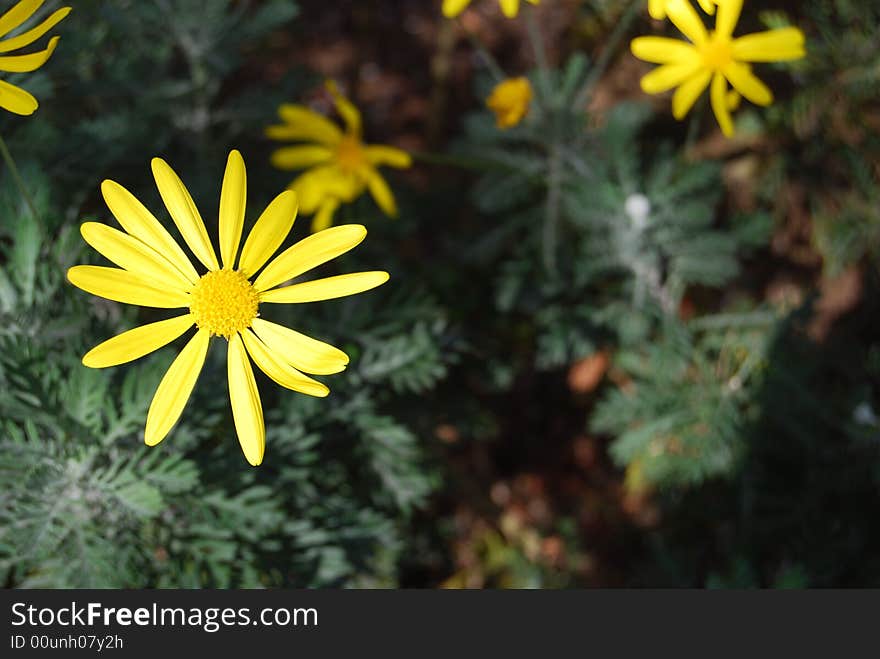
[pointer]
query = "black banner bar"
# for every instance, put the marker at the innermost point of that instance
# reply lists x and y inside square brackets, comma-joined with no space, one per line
[412,623]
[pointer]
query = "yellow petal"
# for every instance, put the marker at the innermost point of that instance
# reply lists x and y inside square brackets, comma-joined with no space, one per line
[316,185]
[667,76]
[378,187]
[327,288]
[184,213]
[686,19]
[233,200]
[309,253]
[27,38]
[126,287]
[747,84]
[311,187]
[247,410]
[378,154]
[299,157]
[688,93]
[175,388]
[734,98]
[268,233]
[452,8]
[29,62]
[657,9]
[18,14]
[143,225]
[728,16]
[662,50]
[509,7]
[137,342]
[16,100]
[346,109]
[770,46]
[324,217]
[302,123]
[279,370]
[300,351]
[131,254]
[708,5]
[718,96]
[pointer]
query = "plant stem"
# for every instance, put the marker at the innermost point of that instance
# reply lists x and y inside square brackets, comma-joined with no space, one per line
[441,68]
[537,42]
[755,319]
[693,132]
[598,70]
[490,62]
[10,162]
[465,162]
[551,216]
[550,230]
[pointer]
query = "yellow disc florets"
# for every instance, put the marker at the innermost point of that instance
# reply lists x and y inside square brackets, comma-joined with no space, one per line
[717,52]
[224,302]
[349,153]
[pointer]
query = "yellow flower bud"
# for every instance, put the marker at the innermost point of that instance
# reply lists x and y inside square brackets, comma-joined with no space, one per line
[510,101]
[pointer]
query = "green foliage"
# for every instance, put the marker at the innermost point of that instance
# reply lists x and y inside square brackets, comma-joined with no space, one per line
[831,111]
[84,503]
[622,232]
[147,78]
[715,365]
[848,222]
[604,237]
[800,509]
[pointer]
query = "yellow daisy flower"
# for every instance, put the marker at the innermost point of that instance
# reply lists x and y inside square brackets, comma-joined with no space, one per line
[510,101]
[452,8]
[339,166]
[13,98]
[657,8]
[715,57]
[224,301]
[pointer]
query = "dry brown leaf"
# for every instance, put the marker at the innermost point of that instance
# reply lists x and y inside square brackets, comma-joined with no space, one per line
[585,375]
[838,295]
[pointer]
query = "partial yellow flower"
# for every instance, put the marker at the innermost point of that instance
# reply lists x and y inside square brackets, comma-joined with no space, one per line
[657,8]
[223,301]
[510,100]
[12,98]
[713,57]
[339,166]
[452,8]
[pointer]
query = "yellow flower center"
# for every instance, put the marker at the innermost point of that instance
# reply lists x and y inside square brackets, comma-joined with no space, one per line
[717,52]
[349,153]
[224,302]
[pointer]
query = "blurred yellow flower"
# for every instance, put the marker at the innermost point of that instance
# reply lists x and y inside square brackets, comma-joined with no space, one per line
[339,166]
[452,8]
[224,301]
[13,98]
[657,8]
[510,101]
[715,57]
